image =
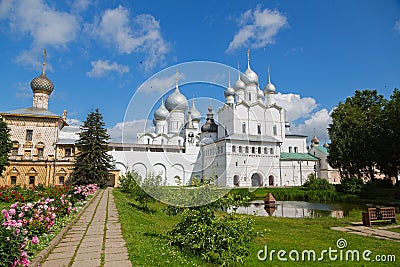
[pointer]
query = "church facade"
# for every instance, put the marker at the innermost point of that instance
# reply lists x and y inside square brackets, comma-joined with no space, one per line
[42,151]
[249,144]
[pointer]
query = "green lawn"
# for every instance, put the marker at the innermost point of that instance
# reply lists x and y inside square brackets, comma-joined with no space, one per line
[147,242]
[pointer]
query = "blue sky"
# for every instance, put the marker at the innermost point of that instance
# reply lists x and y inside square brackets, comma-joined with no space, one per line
[100,52]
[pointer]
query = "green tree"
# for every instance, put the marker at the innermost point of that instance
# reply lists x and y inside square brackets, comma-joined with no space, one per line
[92,163]
[5,144]
[355,134]
[389,148]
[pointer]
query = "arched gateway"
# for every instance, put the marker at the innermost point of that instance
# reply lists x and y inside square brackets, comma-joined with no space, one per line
[255,180]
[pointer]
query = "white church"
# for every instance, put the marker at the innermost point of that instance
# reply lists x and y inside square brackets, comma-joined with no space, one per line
[247,144]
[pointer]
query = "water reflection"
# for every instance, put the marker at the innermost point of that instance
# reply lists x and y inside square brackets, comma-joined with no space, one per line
[298,209]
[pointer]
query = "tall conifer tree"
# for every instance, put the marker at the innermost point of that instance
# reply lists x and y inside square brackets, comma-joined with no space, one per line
[5,144]
[92,163]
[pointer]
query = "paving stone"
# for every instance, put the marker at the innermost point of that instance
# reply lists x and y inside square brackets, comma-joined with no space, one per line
[87,256]
[60,255]
[343,229]
[56,263]
[123,263]
[116,257]
[87,263]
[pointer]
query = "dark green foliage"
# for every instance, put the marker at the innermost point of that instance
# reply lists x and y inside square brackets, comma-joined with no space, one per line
[92,163]
[388,158]
[5,144]
[351,185]
[355,134]
[133,184]
[315,183]
[217,239]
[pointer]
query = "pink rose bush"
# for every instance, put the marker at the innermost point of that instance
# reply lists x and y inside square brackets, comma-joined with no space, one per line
[23,223]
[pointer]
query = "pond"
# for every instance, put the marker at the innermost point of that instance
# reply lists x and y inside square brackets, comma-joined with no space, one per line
[299,209]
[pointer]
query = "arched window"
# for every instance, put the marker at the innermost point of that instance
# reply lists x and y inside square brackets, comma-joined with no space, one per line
[240,149]
[233,149]
[253,150]
[259,150]
[259,128]
[275,130]
[247,149]
[244,127]
[265,150]
[290,149]
[296,149]
[271,150]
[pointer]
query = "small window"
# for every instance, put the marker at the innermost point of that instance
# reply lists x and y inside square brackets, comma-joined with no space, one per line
[14,151]
[249,96]
[259,128]
[271,150]
[275,130]
[290,149]
[240,149]
[259,150]
[40,152]
[247,149]
[61,180]
[265,150]
[233,149]
[253,150]
[13,180]
[244,127]
[296,149]
[236,164]
[29,135]
[68,152]
[31,180]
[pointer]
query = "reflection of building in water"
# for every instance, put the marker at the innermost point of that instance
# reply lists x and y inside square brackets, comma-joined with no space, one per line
[290,209]
[249,145]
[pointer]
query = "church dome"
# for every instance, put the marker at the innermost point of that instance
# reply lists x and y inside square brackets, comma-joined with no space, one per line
[176,101]
[42,84]
[196,115]
[161,113]
[229,91]
[239,85]
[260,94]
[250,77]
[270,87]
[210,126]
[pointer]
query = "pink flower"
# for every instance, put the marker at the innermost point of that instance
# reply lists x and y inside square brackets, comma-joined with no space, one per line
[35,240]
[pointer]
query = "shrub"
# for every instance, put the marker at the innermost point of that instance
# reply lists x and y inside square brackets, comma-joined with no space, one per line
[318,183]
[351,185]
[217,239]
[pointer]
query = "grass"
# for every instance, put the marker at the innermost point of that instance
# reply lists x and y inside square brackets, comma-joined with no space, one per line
[147,242]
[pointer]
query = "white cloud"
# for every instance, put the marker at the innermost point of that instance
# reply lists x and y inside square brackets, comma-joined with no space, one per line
[81,5]
[319,121]
[127,131]
[160,84]
[44,24]
[102,67]
[257,28]
[397,26]
[296,106]
[140,34]
[74,122]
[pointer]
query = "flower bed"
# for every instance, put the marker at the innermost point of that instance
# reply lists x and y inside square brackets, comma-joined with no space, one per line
[27,226]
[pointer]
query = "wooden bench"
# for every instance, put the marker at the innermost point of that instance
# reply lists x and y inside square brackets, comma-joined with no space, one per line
[378,215]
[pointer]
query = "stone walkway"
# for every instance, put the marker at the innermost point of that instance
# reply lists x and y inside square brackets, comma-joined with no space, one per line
[94,240]
[379,232]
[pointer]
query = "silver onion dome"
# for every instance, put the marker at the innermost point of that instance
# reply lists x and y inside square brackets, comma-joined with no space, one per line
[229,92]
[260,94]
[270,87]
[176,101]
[249,77]
[161,113]
[42,84]
[196,115]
